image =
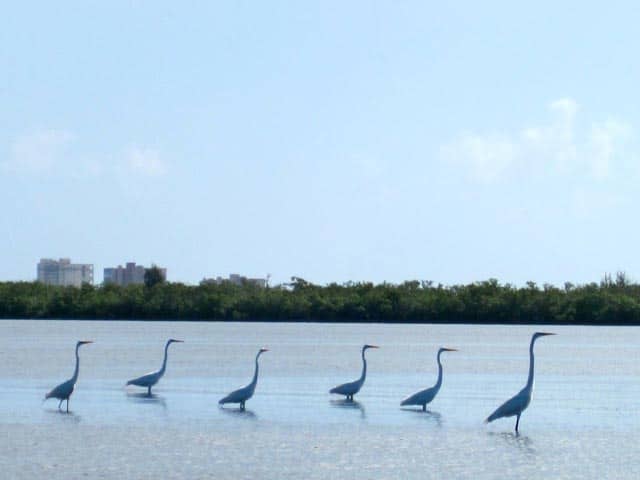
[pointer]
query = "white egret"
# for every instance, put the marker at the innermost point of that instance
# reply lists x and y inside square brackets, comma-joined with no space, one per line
[150,379]
[245,393]
[517,404]
[64,390]
[351,388]
[426,396]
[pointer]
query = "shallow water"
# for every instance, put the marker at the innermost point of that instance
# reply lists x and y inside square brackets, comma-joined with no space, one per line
[582,422]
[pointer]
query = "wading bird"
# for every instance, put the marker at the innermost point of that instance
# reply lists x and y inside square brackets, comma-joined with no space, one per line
[351,388]
[245,393]
[64,390]
[150,379]
[517,404]
[426,396]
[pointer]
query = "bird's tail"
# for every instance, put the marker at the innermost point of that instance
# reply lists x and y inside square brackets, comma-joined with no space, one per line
[334,390]
[492,417]
[404,402]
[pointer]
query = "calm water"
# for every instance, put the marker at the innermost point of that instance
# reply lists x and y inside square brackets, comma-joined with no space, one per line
[583,421]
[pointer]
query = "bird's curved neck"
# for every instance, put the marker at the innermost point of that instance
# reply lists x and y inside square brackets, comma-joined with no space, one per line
[164,362]
[77,370]
[531,365]
[439,382]
[364,366]
[255,373]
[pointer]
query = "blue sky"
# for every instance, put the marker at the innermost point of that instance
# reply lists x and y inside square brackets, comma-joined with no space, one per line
[336,141]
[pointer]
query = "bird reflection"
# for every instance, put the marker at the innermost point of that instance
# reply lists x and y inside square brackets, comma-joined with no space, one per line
[352,404]
[145,398]
[521,442]
[67,417]
[428,415]
[239,413]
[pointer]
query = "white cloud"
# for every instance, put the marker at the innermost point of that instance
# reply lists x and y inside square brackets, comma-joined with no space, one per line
[565,108]
[145,161]
[487,156]
[607,140]
[55,152]
[559,147]
[38,152]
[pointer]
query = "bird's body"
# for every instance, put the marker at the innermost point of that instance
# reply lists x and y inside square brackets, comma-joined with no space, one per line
[519,402]
[63,391]
[351,388]
[150,379]
[245,393]
[423,397]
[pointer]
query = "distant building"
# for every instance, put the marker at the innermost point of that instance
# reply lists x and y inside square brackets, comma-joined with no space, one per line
[130,274]
[63,272]
[235,279]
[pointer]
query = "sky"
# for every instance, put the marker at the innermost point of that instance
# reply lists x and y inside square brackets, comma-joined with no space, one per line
[333,141]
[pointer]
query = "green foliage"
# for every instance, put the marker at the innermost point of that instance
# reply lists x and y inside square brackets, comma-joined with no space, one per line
[153,276]
[613,301]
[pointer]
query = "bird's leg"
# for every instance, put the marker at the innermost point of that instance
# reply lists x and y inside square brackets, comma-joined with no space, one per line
[241,405]
[424,407]
[149,391]
[517,422]
[60,404]
[67,405]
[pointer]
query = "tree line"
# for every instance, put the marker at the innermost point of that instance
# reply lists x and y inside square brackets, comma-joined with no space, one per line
[612,301]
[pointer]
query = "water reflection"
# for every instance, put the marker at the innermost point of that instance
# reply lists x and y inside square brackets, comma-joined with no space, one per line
[64,416]
[516,440]
[145,398]
[352,404]
[428,415]
[239,413]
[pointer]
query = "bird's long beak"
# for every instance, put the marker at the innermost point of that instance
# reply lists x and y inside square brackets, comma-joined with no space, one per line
[83,342]
[546,333]
[179,341]
[264,349]
[374,346]
[450,349]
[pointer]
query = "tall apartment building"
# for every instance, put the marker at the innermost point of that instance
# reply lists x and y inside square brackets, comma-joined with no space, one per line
[63,272]
[130,274]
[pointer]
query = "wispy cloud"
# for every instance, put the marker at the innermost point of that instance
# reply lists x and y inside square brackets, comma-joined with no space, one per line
[559,147]
[51,151]
[487,156]
[145,161]
[38,152]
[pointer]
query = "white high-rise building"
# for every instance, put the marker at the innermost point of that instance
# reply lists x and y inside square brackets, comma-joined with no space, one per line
[63,272]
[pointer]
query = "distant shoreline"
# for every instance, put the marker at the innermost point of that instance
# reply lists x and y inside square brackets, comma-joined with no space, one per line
[331,322]
[480,303]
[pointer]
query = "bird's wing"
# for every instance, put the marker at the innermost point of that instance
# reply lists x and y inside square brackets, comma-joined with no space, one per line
[349,388]
[64,390]
[420,398]
[511,407]
[146,380]
[237,396]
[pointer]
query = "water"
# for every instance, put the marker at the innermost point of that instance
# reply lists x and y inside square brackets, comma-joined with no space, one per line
[582,422]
